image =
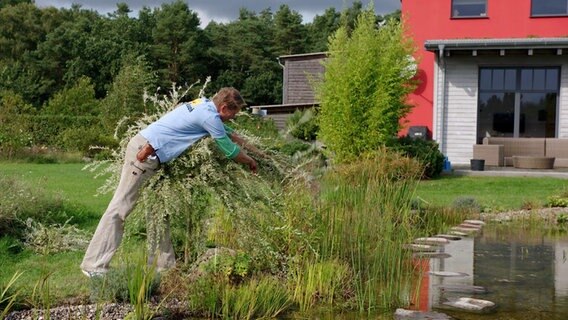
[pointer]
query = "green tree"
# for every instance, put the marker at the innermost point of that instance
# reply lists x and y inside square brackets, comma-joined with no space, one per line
[125,98]
[5,3]
[363,92]
[21,30]
[78,100]
[14,123]
[321,28]
[178,44]
[290,33]
[244,57]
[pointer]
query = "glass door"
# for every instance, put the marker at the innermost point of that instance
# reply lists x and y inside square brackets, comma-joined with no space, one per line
[517,102]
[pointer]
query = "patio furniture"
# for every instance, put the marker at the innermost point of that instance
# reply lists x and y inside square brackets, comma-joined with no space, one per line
[529,162]
[499,151]
[491,153]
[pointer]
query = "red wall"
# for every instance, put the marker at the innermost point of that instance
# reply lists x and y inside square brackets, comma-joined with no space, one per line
[430,20]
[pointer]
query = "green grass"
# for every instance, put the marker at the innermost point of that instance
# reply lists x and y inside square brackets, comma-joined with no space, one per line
[497,193]
[69,180]
[78,188]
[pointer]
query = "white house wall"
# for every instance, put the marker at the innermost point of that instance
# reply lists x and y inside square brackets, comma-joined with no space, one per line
[455,100]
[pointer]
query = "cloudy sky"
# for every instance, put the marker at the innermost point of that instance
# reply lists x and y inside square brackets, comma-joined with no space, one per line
[227,10]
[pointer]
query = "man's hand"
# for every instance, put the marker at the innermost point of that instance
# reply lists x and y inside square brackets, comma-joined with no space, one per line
[253,166]
[244,158]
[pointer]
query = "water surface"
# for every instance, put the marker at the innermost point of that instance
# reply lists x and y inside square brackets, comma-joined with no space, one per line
[523,269]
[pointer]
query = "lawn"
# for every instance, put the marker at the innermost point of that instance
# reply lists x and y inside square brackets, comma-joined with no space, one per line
[69,180]
[494,193]
[78,187]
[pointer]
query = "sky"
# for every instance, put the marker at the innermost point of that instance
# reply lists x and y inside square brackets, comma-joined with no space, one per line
[226,10]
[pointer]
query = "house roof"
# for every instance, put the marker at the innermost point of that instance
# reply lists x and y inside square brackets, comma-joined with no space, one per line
[304,55]
[505,43]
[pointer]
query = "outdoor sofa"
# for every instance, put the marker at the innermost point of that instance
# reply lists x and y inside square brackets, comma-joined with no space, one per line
[501,151]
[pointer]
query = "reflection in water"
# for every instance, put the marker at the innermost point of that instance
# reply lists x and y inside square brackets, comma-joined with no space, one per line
[524,271]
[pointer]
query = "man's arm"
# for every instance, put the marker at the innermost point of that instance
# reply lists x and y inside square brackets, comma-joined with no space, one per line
[244,144]
[232,151]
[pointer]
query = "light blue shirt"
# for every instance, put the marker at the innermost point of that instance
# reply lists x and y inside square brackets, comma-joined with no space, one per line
[177,130]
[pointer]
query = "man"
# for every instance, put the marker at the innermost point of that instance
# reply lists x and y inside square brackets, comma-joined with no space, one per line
[162,142]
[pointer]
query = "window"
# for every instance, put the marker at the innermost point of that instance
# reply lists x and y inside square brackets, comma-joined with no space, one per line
[549,7]
[517,102]
[469,8]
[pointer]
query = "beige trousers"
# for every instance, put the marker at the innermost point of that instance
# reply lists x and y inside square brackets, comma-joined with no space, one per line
[109,232]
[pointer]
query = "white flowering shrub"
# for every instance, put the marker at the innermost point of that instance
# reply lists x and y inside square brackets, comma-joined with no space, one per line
[189,190]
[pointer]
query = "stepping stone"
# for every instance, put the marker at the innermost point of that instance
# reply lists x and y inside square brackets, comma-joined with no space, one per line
[459,233]
[448,236]
[431,255]
[462,288]
[472,226]
[477,222]
[432,241]
[448,274]
[403,314]
[471,304]
[421,247]
[466,230]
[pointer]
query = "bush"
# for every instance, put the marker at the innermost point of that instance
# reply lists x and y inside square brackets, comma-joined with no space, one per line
[425,151]
[364,88]
[88,141]
[467,204]
[20,202]
[303,124]
[291,147]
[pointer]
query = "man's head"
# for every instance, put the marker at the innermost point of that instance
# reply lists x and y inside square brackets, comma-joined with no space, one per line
[229,102]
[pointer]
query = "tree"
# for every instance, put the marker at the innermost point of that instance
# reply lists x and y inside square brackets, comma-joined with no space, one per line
[244,56]
[178,44]
[364,88]
[14,125]
[126,96]
[78,100]
[21,30]
[321,28]
[290,33]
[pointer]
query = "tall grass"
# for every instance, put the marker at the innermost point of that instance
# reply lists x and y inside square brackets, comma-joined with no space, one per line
[7,298]
[140,280]
[366,220]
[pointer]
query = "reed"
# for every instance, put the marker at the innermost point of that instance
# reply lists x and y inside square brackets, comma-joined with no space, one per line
[140,279]
[320,282]
[366,220]
[263,298]
[7,299]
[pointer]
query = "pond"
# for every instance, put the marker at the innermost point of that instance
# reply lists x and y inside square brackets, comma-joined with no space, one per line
[522,269]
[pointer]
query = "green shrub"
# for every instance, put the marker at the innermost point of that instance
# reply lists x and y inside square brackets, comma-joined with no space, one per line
[425,151]
[557,201]
[14,127]
[21,202]
[364,87]
[467,204]
[303,124]
[89,141]
[293,146]
[255,125]
[54,238]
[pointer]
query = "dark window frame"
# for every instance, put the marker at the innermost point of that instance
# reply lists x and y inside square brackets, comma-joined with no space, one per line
[551,86]
[540,15]
[455,6]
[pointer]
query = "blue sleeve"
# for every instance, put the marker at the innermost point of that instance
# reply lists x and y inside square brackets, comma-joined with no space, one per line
[215,127]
